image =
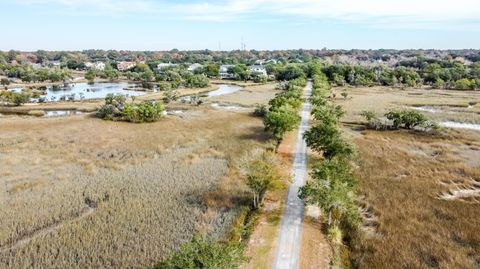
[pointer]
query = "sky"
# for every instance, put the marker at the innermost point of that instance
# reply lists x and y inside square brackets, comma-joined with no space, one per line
[30,25]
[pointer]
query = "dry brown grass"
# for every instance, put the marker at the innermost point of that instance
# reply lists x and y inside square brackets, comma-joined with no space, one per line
[404,178]
[249,95]
[79,192]
[448,105]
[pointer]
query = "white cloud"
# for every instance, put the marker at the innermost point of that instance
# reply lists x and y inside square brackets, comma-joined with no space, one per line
[379,13]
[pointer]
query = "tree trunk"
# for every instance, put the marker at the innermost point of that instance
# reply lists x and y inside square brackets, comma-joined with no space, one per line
[329,218]
[279,141]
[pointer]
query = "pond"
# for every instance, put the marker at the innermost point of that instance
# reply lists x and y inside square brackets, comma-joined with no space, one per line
[61,113]
[79,91]
[224,89]
[462,125]
[230,107]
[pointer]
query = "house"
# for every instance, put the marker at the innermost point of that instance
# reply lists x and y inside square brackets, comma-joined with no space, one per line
[194,67]
[97,66]
[223,71]
[161,66]
[258,69]
[124,66]
[54,63]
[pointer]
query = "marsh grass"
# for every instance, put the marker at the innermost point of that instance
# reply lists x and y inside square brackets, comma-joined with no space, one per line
[409,225]
[85,193]
[403,179]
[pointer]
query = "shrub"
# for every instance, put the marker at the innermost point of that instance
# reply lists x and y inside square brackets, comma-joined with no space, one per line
[17,98]
[4,81]
[203,252]
[197,81]
[260,110]
[465,84]
[147,111]
[372,119]
[409,118]
[116,108]
[260,78]
[170,95]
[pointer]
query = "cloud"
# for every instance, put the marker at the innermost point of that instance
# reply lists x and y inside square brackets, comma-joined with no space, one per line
[416,14]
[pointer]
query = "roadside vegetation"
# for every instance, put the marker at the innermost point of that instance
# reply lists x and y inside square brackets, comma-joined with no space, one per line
[333,185]
[283,114]
[204,252]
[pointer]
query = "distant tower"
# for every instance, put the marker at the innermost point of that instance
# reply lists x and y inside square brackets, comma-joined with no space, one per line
[243,46]
[219,46]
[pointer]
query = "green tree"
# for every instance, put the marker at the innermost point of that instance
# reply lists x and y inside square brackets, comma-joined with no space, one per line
[281,120]
[407,118]
[19,98]
[111,73]
[261,174]
[5,82]
[90,75]
[203,253]
[465,84]
[240,72]
[332,189]
[327,140]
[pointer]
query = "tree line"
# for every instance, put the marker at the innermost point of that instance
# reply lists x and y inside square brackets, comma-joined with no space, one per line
[333,185]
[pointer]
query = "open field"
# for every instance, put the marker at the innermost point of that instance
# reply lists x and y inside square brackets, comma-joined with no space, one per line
[420,194]
[79,192]
[441,105]
[250,95]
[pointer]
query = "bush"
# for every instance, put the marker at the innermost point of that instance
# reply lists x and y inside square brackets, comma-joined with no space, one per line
[260,110]
[147,111]
[17,98]
[465,84]
[260,79]
[116,108]
[170,95]
[203,252]
[372,118]
[408,118]
[197,81]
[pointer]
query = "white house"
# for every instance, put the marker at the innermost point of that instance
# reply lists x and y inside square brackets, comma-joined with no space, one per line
[161,66]
[223,71]
[258,69]
[54,63]
[194,67]
[98,65]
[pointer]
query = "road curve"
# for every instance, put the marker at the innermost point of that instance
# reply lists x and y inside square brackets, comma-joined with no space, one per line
[289,244]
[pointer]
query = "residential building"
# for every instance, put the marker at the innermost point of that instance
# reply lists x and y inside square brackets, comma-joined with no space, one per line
[124,66]
[223,71]
[194,67]
[161,66]
[97,65]
[258,69]
[54,63]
